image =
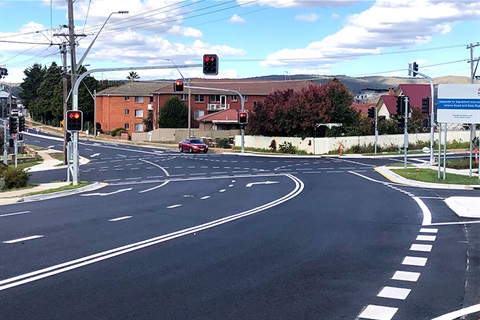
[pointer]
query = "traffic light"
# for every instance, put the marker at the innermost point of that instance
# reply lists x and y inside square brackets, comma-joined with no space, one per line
[242,118]
[13,124]
[3,72]
[178,85]
[415,69]
[371,112]
[400,105]
[425,105]
[68,137]
[74,120]
[20,137]
[210,64]
[21,124]
[401,122]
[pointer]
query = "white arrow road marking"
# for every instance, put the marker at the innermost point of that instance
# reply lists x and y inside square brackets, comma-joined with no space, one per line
[106,193]
[22,239]
[263,182]
[95,155]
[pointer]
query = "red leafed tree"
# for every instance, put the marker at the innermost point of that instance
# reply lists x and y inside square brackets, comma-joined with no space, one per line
[289,113]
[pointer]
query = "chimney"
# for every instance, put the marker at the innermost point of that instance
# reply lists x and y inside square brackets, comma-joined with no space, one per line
[391,91]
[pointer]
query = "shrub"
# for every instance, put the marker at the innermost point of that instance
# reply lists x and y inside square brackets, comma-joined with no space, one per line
[287,147]
[118,132]
[273,145]
[15,178]
[224,143]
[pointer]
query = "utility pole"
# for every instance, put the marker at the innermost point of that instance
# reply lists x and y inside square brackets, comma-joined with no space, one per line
[63,51]
[472,70]
[71,40]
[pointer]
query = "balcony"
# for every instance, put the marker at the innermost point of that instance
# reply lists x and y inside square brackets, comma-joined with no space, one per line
[217,107]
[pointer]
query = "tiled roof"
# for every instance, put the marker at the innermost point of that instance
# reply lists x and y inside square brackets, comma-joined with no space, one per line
[363,107]
[135,88]
[390,102]
[228,115]
[415,92]
[244,86]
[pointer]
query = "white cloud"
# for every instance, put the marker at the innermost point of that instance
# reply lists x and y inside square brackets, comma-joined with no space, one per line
[236,19]
[300,3]
[307,17]
[387,23]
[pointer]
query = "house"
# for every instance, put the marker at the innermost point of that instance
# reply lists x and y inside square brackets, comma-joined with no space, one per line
[387,104]
[127,105]
[7,103]
[221,120]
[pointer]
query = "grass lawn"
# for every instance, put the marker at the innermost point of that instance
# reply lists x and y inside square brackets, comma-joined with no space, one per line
[429,175]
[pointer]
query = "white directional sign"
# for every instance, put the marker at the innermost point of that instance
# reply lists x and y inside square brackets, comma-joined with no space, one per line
[458,103]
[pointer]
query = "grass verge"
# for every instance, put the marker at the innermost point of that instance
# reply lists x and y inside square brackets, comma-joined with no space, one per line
[429,175]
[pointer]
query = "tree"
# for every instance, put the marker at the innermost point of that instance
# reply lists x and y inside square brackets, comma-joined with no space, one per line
[85,98]
[31,82]
[47,106]
[132,76]
[173,114]
[148,121]
[289,113]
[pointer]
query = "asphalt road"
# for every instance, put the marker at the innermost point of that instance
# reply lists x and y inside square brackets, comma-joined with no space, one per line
[212,236]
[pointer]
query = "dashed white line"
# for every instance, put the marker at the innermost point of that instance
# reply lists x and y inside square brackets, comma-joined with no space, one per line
[23,239]
[204,198]
[120,218]
[428,230]
[415,261]
[421,247]
[406,276]
[223,190]
[378,312]
[174,206]
[426,238]
[394,293]
[14,214]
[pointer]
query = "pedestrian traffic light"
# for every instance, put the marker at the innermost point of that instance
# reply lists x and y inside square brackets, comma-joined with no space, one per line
[210,64]
[74,120]
[68,136]
[242,118]
[415,69]
[371,112]
[400,105]
[425,105]
[178,85]
[13,124]
[21,124]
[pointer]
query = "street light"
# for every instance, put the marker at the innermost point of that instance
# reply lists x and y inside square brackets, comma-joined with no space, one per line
[93,41]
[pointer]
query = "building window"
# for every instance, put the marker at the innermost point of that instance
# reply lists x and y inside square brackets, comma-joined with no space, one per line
[199,98]
[184,97]
[139,99]
[139,113]
[138,126]
[233,98]
[127,98]
[198,113]
[127,126]
[214,98]
[127,112]
[151,99]
[245,98]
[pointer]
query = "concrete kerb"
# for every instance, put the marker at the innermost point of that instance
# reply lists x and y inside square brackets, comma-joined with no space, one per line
[91,187]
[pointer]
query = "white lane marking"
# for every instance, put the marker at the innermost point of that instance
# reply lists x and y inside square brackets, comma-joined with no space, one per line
[223,190]
[378,312]
[105,193]
[151,189]
[421,247]
[394,293]
[427,215]
[426,238]
[13,214]
[454,223]
[230,185]
[23,239]
[120,218]
[249,185]
[174,206]
[459,313]
[156,165]
[406,276]
[204,198]
[429,230]
[78,263]
[415,261]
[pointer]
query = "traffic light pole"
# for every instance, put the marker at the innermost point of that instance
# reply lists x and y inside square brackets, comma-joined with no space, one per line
[76,174]
[405,133]
[5,141]
[376,130]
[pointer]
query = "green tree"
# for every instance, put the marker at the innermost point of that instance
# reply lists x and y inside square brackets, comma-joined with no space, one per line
[148,121]
[85,96]
[31,83]
[173,114]
[48,105]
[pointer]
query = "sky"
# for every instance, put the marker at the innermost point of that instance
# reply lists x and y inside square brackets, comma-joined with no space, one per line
[251,37]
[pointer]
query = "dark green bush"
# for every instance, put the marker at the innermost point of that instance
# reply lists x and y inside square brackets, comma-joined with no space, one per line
[15,178]
[224,143]
[118,132]
[287,147]
[273,145]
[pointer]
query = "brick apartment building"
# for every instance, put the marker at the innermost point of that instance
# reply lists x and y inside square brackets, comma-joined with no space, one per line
[127,105]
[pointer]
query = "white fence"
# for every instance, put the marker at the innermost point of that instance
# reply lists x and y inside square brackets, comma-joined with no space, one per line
[324,145]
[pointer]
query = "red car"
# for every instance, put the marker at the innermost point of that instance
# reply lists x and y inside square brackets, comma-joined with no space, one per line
[192,145]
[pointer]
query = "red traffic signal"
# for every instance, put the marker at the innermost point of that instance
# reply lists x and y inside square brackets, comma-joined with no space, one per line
[178,85]
[242,117]
[74,120]
[210,64]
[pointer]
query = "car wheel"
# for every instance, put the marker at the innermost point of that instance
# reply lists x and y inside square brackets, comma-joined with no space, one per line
[190,150]
[180,149]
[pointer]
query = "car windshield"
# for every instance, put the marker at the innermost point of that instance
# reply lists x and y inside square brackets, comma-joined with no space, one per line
[196,141]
